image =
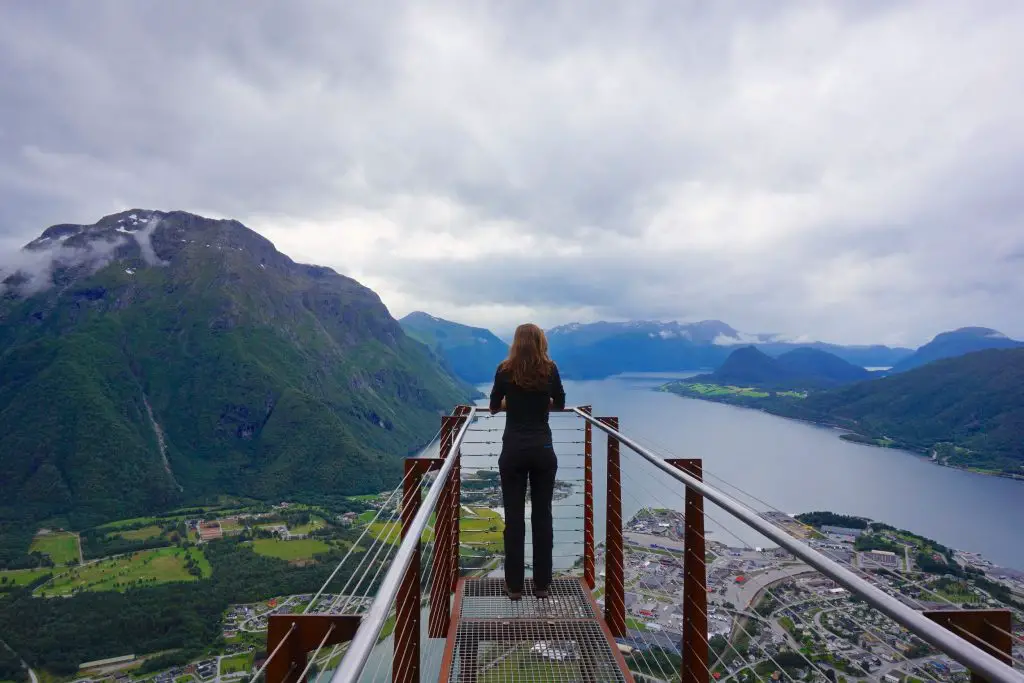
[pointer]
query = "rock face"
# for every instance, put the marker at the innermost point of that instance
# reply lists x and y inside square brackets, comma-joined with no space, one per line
[263,377]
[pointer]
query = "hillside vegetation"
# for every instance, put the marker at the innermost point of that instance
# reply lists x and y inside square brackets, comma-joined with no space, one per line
[968,411]
[199,360]
[800,369]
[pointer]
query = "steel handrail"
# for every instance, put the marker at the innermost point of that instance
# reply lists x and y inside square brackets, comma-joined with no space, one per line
[351,666]
[953,645]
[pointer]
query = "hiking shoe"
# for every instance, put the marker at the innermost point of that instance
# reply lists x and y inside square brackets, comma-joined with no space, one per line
[514,596]
[540,593]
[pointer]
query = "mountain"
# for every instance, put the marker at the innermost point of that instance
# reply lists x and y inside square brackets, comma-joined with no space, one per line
[601,349]
[472,353]
[154,357]
[957,343]
[803,368]
[968,410]
[827,367]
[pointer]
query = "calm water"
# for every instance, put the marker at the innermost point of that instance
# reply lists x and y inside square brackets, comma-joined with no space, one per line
[791,466]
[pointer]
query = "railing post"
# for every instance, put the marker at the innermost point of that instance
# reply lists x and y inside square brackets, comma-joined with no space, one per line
[988,628]
[588,502]
[446,526]
[462,412]
[405,665]
[694,667]
[614,579]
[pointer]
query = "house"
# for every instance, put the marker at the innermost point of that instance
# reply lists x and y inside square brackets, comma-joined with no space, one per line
[209,531]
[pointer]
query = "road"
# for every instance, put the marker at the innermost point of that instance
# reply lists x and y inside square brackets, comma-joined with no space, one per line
[646,540]
[24,664]
[277,610]
[742,595]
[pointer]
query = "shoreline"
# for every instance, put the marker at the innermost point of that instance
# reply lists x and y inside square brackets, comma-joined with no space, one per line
[845,430]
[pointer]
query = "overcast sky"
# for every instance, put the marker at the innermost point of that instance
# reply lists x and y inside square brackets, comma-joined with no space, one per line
[853,172]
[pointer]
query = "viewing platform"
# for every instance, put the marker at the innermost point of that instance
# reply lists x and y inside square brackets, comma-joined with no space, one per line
[623,607]
[561,638]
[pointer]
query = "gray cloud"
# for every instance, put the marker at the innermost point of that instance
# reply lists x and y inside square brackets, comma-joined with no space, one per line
[847,171]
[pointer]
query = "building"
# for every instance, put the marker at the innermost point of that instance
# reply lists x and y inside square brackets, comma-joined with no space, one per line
[884,558]
[210,531]
[842,532]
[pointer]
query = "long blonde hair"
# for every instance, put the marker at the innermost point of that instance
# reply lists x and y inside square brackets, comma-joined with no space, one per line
[528,362]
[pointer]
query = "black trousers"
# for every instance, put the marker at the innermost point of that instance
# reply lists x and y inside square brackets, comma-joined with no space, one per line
[517,466]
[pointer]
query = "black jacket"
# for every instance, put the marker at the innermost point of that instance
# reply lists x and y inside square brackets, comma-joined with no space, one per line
[526,417]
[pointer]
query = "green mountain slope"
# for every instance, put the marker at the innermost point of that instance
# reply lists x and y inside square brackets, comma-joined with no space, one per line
[472,353]
[263,377]
[968,410]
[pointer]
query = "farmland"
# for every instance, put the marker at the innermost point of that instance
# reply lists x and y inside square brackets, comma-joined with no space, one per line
[299,549]
[61,547]
[149,567]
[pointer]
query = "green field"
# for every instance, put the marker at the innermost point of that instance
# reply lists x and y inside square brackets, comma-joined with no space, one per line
[635,624]
[391,532]
[147,567]
[486,529]
[367,516]
[239,662]
[21,577]
[313,524]
[142,534]
[721,390]
[122,523]
[299,549]
[61,547]
[366,497]
[227,525]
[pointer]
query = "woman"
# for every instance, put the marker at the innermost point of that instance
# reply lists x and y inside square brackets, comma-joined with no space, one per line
[527,386]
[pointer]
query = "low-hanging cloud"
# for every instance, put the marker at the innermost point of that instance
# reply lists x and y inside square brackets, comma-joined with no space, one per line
[144,238]
[30,271]
[845,171]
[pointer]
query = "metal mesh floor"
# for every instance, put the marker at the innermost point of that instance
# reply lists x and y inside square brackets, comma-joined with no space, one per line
[486,599]
[558,639]
[526,651]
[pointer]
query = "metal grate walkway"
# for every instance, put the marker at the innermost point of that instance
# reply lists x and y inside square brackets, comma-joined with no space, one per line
[561,638]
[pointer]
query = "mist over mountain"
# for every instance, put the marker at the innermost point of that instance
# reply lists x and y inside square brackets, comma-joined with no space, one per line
[154,356]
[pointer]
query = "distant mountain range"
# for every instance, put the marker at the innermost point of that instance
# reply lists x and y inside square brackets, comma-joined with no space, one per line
[154,357]
[957,343]
[800,369]
[472,353]
[602,349]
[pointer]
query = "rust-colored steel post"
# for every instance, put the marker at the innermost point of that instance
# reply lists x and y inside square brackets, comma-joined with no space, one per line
[445,523]
[304,634]
[405,665]
[990,626]
[588,502]
[694,667]
[614,570]
[462,412]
